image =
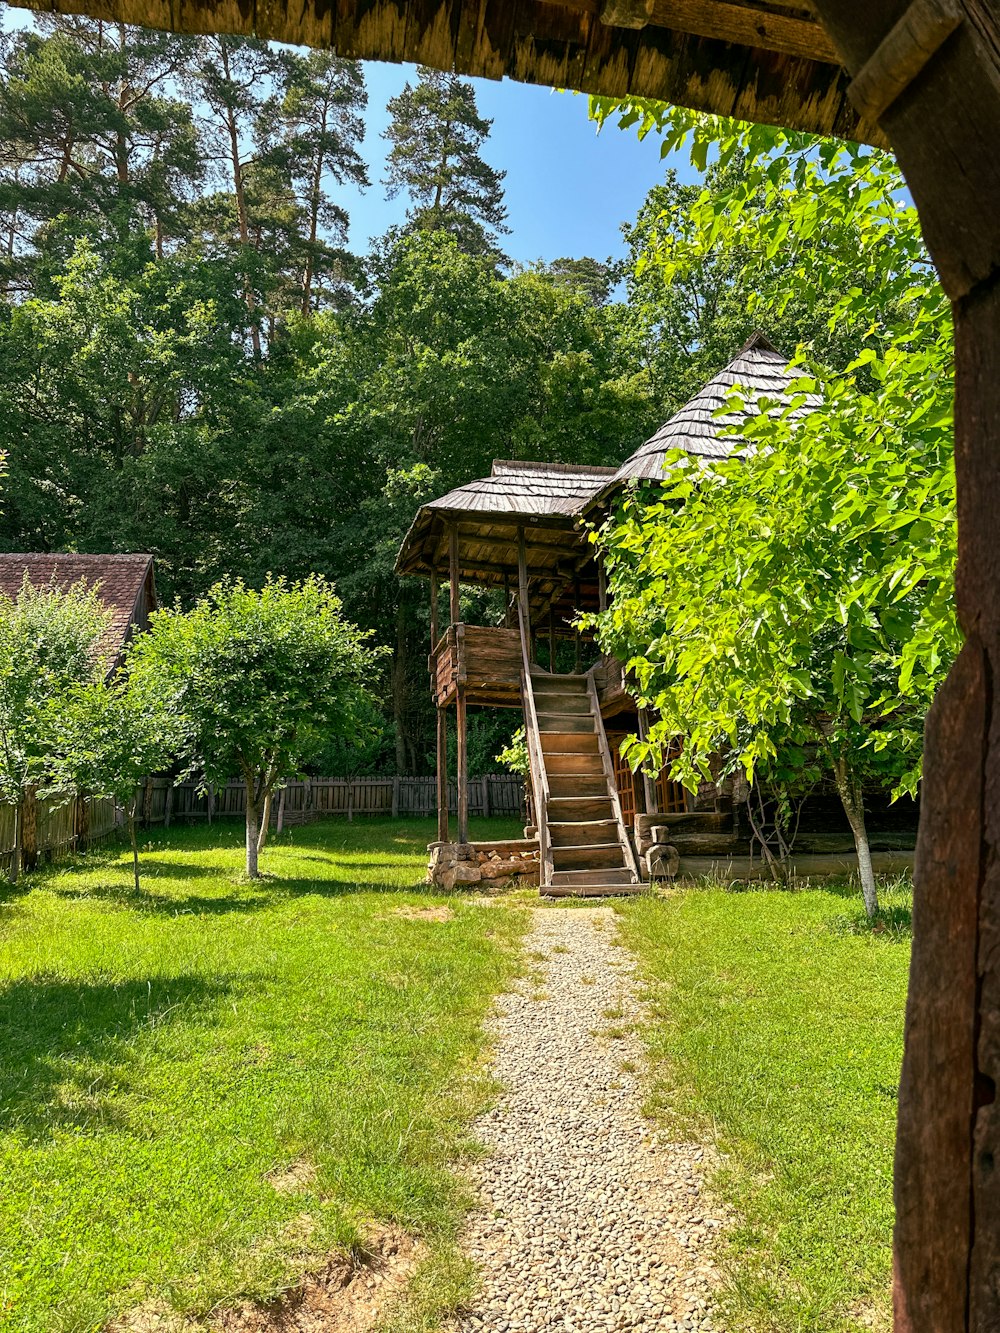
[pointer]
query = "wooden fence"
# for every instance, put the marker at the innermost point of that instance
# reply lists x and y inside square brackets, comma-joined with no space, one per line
[493,794]
[66,828]
[60,829]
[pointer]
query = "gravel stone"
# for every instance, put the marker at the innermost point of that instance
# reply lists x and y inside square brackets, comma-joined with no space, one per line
[587,1219]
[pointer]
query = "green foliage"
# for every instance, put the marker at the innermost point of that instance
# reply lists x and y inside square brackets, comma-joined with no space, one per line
[168,1055]
[777,1030]
[515,755]
[436,134]
[259,680]
[49,643]
[791,608]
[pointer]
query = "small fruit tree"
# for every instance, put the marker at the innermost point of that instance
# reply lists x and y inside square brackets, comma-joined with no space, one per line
[260,682]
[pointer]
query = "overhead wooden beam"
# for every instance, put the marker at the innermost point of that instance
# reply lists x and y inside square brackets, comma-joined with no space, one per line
[902,54]
[742,25]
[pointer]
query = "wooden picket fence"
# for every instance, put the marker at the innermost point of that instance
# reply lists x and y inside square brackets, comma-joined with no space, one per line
[62,829]
[493,794]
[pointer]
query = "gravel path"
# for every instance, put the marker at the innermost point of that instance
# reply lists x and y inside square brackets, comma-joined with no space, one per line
[588,1221]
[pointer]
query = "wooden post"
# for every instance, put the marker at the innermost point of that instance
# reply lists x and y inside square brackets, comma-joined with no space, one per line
[552,640]
[395,797]
[486,795]
[522,591]
[29,830]
[434,610]
[602,586]
[442,773]
[463,767]
[455,601]
[576,632]
[648,783]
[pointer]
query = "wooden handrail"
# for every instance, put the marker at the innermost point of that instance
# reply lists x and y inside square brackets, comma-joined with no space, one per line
[609,773]
[539,778]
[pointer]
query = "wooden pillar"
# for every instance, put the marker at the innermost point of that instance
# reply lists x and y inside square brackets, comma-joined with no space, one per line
[522,590]
[435,628]
[455,603]
[463,767]
[602,586]
[648,783]
[552,640]
[576,632]
[442,773]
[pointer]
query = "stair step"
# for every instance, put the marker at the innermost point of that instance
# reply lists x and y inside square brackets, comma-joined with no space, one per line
[590,891]
[592,856]
[566,723]
[561,701]
[596,832]
[579,806]
[569,742]
[565,769]
[568,879]
[541,679]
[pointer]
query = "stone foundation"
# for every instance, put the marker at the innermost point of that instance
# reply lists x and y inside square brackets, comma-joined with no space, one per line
[454,864]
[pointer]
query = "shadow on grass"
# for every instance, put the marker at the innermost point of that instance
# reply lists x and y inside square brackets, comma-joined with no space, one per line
[66,1047]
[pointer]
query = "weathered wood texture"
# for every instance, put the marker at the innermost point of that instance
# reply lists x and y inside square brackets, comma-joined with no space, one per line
[485,660]
[757,60]
[56,827]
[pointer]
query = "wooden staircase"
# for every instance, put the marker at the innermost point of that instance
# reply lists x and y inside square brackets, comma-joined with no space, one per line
[584,843]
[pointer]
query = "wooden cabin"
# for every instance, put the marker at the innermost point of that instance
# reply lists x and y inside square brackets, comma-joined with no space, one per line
[523,531]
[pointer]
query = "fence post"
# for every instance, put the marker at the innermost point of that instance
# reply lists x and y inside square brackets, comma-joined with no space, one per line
[29,830]
[395,797]
[486,796]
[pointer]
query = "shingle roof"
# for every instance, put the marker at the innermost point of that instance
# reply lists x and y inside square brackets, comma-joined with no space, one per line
[119,579]
[527,488]
[758,368]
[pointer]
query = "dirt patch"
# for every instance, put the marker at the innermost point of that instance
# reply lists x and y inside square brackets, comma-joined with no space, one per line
[347,1296]
[290,1179]
[425,913]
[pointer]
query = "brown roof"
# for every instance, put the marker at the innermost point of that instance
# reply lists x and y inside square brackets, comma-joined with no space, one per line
[515,488]
[758,369]
[764,60]
[124,584]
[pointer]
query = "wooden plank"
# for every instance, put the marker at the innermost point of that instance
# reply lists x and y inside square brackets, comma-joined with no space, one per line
[734,23]
[901,55]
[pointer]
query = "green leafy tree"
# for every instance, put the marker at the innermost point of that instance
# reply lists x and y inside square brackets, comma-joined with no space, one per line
[437,134]
[260,680]
[49,642]
[106,737]
[791,609]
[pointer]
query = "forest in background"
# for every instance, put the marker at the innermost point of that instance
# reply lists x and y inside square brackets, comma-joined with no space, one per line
[192,362]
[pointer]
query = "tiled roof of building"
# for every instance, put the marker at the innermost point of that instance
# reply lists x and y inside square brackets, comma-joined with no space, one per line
[124,584]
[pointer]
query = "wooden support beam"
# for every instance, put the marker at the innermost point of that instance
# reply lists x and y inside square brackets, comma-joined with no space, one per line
[455,606]
[463,767]
[435,627]
[552,640]
[903,53]
[442,774]
[648,783]
[522,590]
[741,25]
[602,586]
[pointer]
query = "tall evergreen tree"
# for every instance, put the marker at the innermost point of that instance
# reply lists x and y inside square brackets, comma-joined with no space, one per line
[437,133]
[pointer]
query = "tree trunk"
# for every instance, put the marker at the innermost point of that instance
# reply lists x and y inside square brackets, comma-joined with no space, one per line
[15,861]
[265,821]
[849,790]
[134,843]
[253,828]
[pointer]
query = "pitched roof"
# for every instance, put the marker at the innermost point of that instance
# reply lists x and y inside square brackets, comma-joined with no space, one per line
[515,487]
[758,368]
[120,580]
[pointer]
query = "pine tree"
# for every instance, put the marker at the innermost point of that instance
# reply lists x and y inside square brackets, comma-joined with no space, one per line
[436,134]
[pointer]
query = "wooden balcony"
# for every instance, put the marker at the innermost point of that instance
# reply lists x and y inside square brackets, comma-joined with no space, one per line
[483,660]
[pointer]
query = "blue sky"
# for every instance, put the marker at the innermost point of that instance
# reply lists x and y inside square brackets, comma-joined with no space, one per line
[568,189]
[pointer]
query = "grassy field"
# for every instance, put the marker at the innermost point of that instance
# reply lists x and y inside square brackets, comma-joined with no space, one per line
[166,1058]
[777,1034]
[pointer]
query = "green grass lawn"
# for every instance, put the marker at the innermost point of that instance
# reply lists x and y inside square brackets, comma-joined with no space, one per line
[162,1055]
[776,1032]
